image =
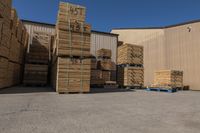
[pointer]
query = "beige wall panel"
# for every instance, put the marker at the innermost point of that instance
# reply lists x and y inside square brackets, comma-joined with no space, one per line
[154,48]
[183,52]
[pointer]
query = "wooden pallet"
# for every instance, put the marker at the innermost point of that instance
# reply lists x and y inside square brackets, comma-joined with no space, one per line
[172,78]
[130,76]
[130,54]
[160,89]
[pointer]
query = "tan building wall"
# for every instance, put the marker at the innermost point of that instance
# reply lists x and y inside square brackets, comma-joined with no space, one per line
[171,47]
[183,52]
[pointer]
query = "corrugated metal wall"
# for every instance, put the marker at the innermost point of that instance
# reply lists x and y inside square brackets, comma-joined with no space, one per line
[98,39]
[31,27]
[170,48]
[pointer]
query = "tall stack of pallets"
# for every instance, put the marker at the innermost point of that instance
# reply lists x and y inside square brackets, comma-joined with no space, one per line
[37,60]
[102,66]
[130,66]
[168,79]
[71,63]
[13,43]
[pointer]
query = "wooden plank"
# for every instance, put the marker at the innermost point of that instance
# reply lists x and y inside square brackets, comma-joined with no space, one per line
[35,74]
[71,11]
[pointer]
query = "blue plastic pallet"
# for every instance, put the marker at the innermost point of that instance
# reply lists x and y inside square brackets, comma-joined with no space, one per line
[162,90]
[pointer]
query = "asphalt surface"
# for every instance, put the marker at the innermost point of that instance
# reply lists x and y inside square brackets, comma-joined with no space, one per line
[40,110]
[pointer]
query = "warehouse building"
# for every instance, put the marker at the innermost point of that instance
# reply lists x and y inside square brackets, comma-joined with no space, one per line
[99,39]
[172,47]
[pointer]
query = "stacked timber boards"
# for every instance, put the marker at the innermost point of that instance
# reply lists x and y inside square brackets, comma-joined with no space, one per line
[37,60]
[13,43]
[102,67]
[71,51]
[168,78]
[130,66]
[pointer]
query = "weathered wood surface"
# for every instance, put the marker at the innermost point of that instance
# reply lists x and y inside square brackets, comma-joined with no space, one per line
[130,54]
[130,76]
[168,78]
[71,75]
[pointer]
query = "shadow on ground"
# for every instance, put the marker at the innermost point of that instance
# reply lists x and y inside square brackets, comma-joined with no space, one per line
[108,90]
[22,89]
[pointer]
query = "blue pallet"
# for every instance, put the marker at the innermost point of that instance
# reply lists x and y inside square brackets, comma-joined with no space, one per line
[162,90]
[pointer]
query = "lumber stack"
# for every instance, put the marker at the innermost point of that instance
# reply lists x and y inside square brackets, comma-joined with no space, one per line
[104,66]
[130,54]
[38,59]
[130,76]
[71,51]
[13,42]
[168,78]
[130,66]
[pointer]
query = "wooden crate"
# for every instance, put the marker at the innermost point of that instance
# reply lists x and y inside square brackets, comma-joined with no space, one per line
[35,74]
[5,11]
[73,26]
[14,74]
[3,71]
[93,63]
[104,53]
[130,54]
[15,50]
[14,19]
[72,44]
[71,75]
[99,77]
[130,76]
[106,64]
[70,11]
[4,40]
[19,30]
[168,78]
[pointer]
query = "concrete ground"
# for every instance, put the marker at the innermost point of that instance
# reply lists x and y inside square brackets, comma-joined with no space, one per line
[40,110]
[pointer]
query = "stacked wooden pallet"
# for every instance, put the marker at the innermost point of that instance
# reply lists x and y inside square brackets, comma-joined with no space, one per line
[13,42]
[130,76]
[71,63]
[130,54]
[168,78]
[102,72]
[37,60]
[130,66]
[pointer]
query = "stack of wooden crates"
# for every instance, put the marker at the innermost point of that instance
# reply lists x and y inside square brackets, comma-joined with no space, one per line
[169,79]
[130,66]
[71,63]
[13,43]
[102,68]
[38,59]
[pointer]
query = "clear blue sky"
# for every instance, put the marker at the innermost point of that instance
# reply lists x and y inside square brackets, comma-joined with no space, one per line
[107,14]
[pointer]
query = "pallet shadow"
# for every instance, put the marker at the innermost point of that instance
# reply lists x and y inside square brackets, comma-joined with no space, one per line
[23,90]
[109,90]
